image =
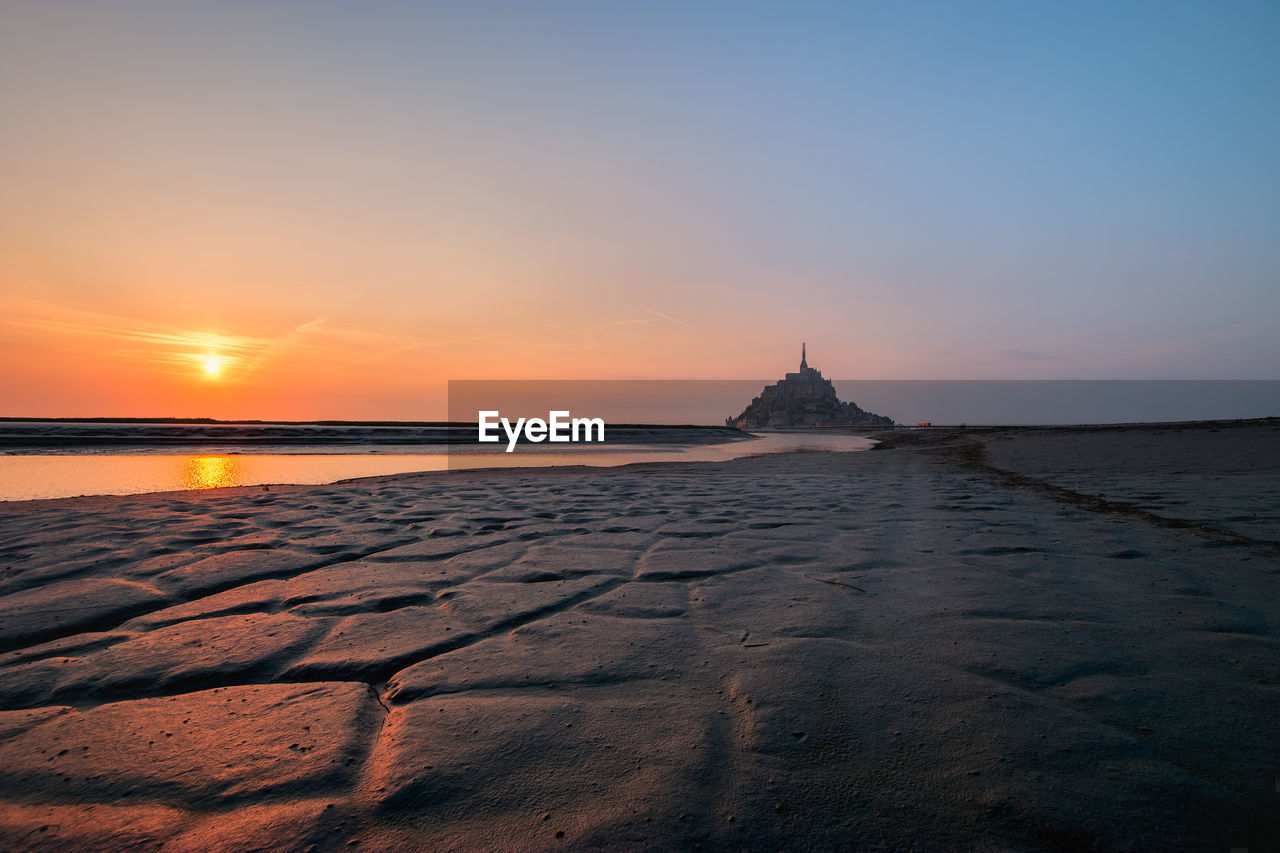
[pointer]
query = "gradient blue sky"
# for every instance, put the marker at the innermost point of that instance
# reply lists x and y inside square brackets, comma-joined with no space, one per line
[395,194]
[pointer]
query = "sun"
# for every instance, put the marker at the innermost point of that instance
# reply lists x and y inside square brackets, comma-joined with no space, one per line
[212,365]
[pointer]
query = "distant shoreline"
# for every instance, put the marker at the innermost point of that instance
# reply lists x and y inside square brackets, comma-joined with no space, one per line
[125,435]
[18,435]
[34,436]
[335,423]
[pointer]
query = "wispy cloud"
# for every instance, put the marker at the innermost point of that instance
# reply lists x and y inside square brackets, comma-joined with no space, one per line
[171,349]
[669,318]
[589,335]
[379,356]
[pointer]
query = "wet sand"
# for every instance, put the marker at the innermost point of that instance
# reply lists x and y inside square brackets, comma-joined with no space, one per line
[1004,639]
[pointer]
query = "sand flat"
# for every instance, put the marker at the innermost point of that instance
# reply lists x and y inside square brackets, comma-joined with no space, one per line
[902,647]
[1221,474]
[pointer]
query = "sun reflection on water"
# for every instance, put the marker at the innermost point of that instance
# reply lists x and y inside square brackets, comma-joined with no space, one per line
[209,472]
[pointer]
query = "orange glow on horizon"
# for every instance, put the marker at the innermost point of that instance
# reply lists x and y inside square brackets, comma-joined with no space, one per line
[85,362]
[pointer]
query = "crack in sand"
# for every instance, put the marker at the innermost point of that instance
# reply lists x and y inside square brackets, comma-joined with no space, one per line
[510,624]
[115,620]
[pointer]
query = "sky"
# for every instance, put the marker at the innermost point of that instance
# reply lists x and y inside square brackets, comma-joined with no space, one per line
[328,210]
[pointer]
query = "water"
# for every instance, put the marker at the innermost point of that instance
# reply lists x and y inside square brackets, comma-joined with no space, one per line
[41,476]
[991,402]
[1064,401]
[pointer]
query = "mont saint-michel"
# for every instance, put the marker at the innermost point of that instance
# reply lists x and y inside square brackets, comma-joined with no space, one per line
[803,398]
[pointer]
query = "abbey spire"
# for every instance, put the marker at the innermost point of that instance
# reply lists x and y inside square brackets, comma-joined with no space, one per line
[803,362]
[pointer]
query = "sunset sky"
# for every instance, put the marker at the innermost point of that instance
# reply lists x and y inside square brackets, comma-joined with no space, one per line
[326,210]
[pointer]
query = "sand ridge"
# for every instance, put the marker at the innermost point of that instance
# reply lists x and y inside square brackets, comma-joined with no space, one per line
[808,651]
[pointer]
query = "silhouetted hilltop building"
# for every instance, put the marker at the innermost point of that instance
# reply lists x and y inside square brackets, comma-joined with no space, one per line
[803,398]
